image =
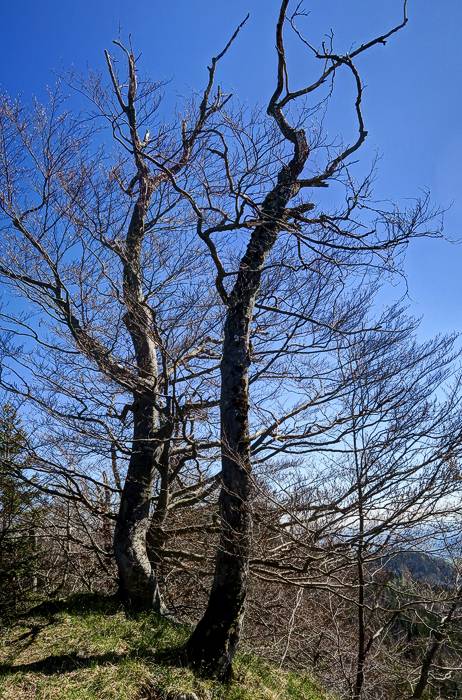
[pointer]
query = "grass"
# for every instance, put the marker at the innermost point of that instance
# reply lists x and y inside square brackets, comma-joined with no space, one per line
[86,648]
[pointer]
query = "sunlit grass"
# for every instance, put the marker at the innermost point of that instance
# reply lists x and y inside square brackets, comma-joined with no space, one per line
[88,649]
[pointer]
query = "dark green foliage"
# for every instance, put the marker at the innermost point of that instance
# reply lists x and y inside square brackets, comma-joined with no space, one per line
[19,514]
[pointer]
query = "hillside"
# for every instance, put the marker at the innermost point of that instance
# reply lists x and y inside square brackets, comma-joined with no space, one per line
[87,649]
[422,567]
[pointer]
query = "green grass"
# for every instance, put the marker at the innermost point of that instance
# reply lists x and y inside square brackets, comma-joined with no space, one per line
[87,649]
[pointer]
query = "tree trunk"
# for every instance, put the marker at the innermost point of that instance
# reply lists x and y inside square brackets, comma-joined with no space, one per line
[436,642]
[361,647]
[214,641]
[212,645]
[427,663]
[138,585]
[156,537]
[361,650]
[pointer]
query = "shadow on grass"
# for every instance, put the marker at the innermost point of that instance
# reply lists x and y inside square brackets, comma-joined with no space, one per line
[79,604]
[65,663]
[26,639]
[30,636]
[60,664]
[44,615]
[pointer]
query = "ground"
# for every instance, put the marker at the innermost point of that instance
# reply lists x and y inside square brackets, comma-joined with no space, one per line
[86,648]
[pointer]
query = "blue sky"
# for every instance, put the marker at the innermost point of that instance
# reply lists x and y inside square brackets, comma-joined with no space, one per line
[413,100]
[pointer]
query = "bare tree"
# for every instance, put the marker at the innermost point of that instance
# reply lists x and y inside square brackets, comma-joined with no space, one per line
[191,317]
[379,484]
[115,336]
[335,238]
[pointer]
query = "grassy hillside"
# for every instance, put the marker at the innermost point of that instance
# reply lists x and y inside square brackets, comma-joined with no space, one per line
[87,649]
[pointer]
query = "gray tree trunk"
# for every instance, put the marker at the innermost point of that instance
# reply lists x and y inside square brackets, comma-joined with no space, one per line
[138,583]
[213,644]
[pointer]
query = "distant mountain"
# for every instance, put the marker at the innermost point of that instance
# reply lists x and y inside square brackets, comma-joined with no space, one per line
[422,567]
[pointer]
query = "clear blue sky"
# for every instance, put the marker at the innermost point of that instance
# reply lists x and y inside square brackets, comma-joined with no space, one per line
[413,101]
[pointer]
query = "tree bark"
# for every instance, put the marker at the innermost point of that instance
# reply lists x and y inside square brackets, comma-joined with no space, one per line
[212,646]
[214,640]
[435,643]
[156,537]
[427,664]
[138,585]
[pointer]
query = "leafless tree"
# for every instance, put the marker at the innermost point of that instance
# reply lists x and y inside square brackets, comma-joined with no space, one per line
[118,323]
[191,317]
[280,217]
[382,483]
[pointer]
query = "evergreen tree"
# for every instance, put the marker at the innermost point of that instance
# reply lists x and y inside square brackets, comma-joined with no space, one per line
[18,514]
